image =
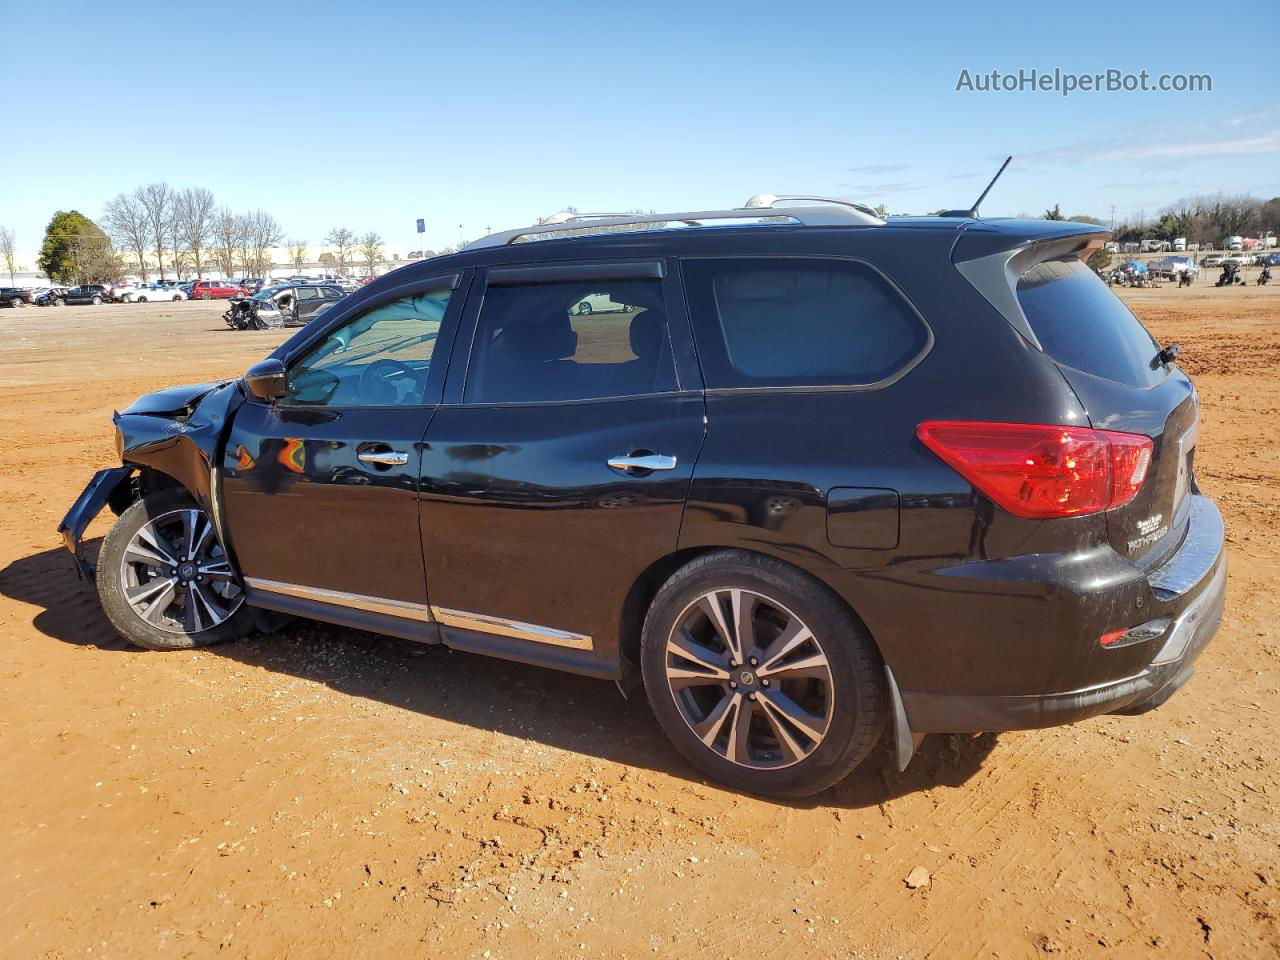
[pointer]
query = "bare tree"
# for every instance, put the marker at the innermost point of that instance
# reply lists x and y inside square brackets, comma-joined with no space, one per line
[157,205]
[244,243]
[225,235]
[7,251]
[371,250]
[196,215]
[343,242]
[263,234]
[126,221]
[297,253]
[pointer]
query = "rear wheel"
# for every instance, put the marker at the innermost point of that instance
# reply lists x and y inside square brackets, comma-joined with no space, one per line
[760,676]
[59,302]
[16,302]
[140,299]
[204,296]
[96,301]
[176,298]
[165,582]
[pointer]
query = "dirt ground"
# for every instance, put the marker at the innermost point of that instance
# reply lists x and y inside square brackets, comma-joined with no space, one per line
[321,792]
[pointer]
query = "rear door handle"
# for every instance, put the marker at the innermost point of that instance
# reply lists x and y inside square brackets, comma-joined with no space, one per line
[383,458]
[646,461]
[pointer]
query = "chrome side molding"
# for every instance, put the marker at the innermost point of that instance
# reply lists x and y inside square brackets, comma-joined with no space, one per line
[462,619]
[484,623]
[356,601]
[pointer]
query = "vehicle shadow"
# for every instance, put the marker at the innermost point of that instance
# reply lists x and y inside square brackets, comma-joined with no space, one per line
[556,709]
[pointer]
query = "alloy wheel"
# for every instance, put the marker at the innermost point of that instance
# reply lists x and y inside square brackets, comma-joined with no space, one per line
[175,575]
[750,679]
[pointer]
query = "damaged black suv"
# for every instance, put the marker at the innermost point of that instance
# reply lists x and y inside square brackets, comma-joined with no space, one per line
[806,475]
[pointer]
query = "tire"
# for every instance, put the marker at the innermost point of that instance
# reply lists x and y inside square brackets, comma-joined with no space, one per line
[59,302]
[96,301]
[140,300]
[204,296]
[172,626]
[584,309]
[175,299]
[835,677]
[16,302]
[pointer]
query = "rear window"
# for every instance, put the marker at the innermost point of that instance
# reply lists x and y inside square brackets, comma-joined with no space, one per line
[1082,324]
[783,322]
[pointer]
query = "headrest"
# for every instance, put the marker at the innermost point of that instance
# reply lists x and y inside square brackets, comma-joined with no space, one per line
[646,333]
[551,339]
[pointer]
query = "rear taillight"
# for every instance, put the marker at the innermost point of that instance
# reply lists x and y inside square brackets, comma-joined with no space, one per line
[1038,470]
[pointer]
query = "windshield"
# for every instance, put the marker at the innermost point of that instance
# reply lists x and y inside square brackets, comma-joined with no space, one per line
[266,293]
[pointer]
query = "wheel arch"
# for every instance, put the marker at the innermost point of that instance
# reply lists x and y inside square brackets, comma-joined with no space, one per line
[640,596]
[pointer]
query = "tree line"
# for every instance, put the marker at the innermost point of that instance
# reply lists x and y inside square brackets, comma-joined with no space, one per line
[1206,219]
[179,233]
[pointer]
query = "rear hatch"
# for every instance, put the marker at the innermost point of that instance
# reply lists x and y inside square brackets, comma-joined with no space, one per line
[1109,359]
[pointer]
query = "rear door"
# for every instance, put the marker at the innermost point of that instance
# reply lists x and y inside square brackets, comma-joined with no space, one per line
[557,469]
[1109,359]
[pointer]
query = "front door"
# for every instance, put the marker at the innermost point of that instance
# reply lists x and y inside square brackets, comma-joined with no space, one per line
[319,489]
[557,471]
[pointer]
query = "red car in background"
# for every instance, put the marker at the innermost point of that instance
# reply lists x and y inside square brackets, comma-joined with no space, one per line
[216,290]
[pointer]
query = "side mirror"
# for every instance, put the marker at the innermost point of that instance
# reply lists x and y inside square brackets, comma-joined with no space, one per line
[266,380]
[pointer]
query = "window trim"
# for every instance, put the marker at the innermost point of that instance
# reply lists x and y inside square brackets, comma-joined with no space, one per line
[576,271]
[458,283]
[880,384]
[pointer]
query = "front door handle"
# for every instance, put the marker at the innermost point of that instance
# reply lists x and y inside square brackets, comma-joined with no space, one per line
[383,458]
[643,461]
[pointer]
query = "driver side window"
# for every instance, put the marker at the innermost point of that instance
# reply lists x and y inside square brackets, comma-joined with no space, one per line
[378,358]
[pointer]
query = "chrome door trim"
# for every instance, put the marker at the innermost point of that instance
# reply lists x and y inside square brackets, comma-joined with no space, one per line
[485,623]
[356,601]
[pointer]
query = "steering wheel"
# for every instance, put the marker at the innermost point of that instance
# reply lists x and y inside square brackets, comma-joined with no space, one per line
[376,381]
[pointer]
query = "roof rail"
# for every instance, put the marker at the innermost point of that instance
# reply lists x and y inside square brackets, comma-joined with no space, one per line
[762,208]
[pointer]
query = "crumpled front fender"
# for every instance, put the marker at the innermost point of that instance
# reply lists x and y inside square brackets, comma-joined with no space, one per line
[88,505]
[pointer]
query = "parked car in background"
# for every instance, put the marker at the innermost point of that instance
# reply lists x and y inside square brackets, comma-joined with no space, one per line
[54,296]
[828,481]
[120,291]
[91,293]
[346,284]
[1212,260]
[289,305]
[15,296]
[154,292]
[217,290]
[599,303]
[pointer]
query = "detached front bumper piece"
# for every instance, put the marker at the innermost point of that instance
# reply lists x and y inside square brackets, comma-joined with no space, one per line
[96,495]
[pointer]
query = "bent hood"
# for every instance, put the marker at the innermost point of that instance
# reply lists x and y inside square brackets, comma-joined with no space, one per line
[172,400]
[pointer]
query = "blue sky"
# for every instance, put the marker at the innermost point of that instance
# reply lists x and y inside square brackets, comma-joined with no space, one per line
[491,114]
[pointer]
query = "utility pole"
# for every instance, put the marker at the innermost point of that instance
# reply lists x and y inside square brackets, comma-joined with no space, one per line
[1113,218]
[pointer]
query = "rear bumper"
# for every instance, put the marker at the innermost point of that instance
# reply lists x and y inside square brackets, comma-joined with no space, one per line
[1190,591]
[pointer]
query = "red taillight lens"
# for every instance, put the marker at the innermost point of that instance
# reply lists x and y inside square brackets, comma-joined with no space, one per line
[1038,470]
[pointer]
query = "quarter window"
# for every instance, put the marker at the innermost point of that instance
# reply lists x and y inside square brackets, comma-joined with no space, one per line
[570,341]
[378,358]
[779,322]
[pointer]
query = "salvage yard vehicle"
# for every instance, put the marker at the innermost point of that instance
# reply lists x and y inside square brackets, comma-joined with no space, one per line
[216,290]
[152,292]
[91,293]
[285,305]
[832,476]
[15,297]
[51,296]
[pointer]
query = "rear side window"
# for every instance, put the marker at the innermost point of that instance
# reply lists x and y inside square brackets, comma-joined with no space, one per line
[779,322]
[543,342]
[1082,324]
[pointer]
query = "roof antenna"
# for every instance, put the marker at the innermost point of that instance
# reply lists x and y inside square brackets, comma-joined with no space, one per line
[972,212]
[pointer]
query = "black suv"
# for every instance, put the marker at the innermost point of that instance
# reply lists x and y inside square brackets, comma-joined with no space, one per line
[93,293]
[812,476]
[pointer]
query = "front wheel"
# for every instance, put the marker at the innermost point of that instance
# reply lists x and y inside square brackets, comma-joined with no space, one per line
[16,302]
[165,582]
[59,302]
[204,296]
[760,676]
[96,301]
[175,298]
